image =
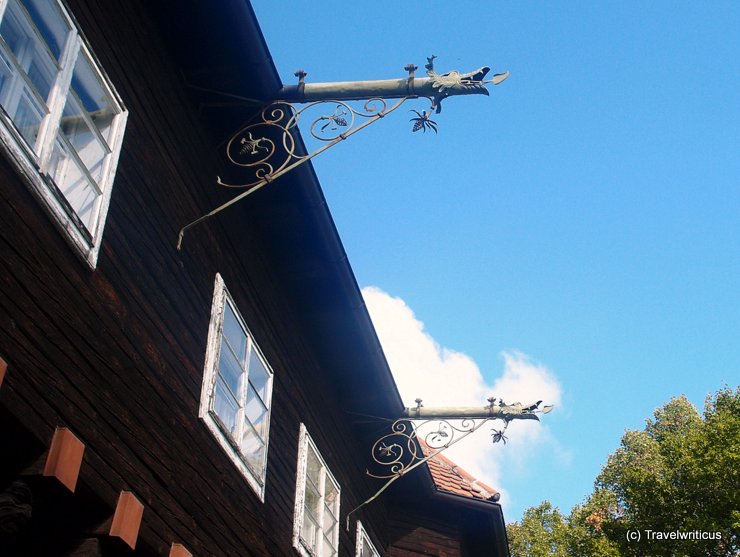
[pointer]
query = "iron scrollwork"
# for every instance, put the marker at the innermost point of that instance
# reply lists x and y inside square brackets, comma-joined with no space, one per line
[400,451]
[267,148]
[426,432]
[423,433]
[254,147]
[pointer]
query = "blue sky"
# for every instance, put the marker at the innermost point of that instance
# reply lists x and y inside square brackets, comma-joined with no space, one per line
[582,222]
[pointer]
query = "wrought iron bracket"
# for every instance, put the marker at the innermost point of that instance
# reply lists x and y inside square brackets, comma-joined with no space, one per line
[399,452]
[267,147]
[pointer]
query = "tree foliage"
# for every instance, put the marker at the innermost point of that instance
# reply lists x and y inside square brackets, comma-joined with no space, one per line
[542,532]
[676,484]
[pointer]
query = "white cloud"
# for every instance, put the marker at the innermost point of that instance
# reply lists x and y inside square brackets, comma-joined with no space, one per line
[443,377]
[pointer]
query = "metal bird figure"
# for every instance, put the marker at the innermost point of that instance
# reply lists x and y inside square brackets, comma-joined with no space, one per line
[532,407]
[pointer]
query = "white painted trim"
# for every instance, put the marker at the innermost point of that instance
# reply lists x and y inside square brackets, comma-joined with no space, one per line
[119,124]
[210,376]
[58,96]
[215,327]
[16,150]
[304,444]
[362,536]
[300,490]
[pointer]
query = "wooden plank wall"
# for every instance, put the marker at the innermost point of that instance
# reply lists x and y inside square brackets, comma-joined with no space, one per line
[116,354]
[438,540]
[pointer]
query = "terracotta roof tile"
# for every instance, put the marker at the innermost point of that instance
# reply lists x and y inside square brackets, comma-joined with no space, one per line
[449,477]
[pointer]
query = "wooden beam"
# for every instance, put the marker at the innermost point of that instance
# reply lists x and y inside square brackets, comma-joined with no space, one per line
[178,550]
[65,458]
[127,519]
[89,547]
[3,369]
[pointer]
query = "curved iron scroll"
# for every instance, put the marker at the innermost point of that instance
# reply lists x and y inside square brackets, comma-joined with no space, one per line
[425,432]
[267,148]
[399,452]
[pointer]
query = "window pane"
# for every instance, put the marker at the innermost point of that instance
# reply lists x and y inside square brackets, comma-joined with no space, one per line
[258,375]
[309,531]
[86,143]
[252,448]
[32,56]
[23,100]
[331,495]
[88,109]
[367,549]
[329,521]
[72,181]
[234,333]
[327,548]
[41,73]
[312,499]
[11,29]
[50,24]
[94,99]
[225,406]
[229,369]
[6,72]
[256,413]
[27,117]
[311,503]
[313,467]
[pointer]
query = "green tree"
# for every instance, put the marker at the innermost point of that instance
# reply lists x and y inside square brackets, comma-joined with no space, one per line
[543,532]
[680,474]
[650,478]
[717,477]
[586,522]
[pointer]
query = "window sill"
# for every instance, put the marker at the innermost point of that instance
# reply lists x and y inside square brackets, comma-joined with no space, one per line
[24,162]
[234,457]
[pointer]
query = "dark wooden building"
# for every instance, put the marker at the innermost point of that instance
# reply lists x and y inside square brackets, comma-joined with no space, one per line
[164,402]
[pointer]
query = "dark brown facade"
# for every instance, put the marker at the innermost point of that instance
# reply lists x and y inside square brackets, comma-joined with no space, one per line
[114,355]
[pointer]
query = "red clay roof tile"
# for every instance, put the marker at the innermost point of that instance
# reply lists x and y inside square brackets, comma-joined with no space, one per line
[449,477]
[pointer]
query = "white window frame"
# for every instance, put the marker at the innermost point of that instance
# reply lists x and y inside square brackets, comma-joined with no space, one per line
[306,444]
[34,162]
[255,478]
[364,538]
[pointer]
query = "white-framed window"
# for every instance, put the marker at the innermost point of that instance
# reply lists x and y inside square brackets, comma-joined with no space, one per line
[237,390]
[365,547]
[316,518]
[61,122]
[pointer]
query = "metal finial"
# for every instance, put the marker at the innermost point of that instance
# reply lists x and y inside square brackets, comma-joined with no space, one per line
[301,75]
